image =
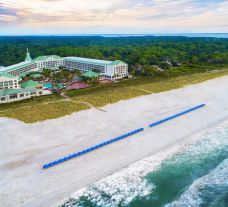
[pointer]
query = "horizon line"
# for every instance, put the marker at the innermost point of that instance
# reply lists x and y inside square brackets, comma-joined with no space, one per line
[119,34]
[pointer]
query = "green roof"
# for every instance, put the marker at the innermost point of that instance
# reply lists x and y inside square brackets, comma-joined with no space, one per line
[117,62]
[90,74]
[43,58]
[16,66]
[29,84]
[13,91]
[3,74]
[28,57]
[94,61]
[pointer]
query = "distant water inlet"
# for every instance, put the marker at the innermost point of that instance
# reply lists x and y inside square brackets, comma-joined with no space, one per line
[64,159]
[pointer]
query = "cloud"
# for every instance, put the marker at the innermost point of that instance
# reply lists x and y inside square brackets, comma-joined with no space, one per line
[6,18]
[115,15]
[7,15]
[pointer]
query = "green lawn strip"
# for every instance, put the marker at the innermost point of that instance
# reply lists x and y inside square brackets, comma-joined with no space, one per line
[178,82]
[39,108]
[31,102]
[111,95]
[40,113]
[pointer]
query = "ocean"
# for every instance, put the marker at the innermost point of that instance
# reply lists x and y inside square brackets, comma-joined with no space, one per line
[204,35]
[191,175]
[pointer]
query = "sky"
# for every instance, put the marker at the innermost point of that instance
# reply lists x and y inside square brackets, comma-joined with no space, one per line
[37,17]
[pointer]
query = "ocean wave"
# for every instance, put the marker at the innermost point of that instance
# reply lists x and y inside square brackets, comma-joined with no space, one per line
[123,187]
[192,197]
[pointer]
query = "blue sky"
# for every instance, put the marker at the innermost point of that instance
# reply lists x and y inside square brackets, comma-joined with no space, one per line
[112,16]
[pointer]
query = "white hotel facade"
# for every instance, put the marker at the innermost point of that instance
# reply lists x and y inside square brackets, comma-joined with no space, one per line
[49,61]
[111,70]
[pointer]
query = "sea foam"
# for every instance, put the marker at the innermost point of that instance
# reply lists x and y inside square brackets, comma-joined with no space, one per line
[121,188]
[192,196]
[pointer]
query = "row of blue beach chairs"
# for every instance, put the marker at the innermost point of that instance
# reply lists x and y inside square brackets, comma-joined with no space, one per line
[176,115]
[51,164]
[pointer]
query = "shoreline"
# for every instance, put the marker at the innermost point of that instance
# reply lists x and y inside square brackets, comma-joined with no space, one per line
[93,126]
[157,157]
[154,161]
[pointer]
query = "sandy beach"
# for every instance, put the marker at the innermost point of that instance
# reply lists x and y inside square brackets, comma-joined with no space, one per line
[26,147]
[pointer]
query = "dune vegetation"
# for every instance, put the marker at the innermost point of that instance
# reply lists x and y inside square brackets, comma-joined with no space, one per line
[54,106]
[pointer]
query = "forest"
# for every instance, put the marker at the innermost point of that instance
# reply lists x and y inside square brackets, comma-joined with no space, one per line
[146,55]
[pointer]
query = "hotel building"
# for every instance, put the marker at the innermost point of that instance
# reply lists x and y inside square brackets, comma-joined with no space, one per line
[10,95]
[50,61]
[8,81]
[10,89]
[21,68]
[111,70]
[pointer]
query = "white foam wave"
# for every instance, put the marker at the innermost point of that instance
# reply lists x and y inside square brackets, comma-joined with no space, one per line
[191,197]
[124,186]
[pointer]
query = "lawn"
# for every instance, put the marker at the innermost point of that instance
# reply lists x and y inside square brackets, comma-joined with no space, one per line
[54,106]
[41,112]
[182,81]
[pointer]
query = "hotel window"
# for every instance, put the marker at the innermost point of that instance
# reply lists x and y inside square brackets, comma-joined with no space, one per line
[3,99]
[13,96]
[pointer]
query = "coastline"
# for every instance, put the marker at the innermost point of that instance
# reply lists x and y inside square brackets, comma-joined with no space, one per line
[129,183]
[25,155]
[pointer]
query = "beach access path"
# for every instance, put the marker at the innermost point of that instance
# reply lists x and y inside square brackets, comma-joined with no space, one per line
[26,147]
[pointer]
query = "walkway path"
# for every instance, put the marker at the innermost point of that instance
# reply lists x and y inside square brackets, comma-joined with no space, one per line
[66,98]
[64,95]
[83,102]
[142,90]
[88,104]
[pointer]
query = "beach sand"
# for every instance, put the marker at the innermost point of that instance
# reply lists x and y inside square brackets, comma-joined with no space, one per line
[26,147]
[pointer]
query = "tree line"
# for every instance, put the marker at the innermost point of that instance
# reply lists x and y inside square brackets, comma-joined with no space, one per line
[145,55]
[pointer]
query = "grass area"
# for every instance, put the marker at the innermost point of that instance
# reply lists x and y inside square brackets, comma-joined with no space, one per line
[30,102]
[47,111]
[54,106]
[111,95]
[181,81]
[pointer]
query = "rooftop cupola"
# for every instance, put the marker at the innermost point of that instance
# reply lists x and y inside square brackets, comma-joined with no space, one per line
[28,57]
